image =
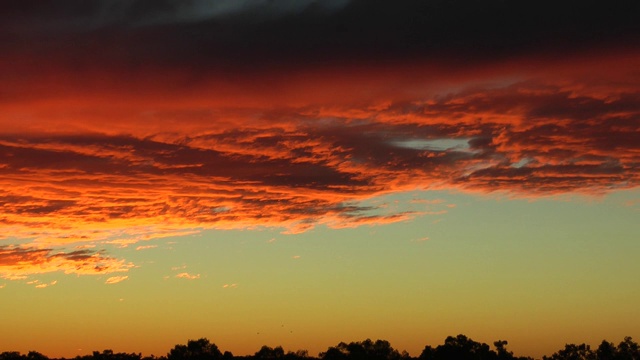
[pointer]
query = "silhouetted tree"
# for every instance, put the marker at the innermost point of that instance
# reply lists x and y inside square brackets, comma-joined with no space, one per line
[573,352]
[459,347]
[606,351]
[501,350]
[268,353]
[335,353]
[363,350]
[109,355]
[34,355]
[463,348]
[297,355]
[628,350]
[200,349]
[428,353]
[11,355]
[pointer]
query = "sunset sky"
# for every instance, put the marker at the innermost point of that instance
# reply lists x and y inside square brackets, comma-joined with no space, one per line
[301,173]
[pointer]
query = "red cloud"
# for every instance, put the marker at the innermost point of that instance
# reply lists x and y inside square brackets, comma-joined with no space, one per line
[142,162]
[19,263]
[132,128]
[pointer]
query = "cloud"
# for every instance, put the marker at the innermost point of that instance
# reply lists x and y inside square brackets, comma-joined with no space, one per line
[42,286]
[145,247]
[185,275]
[85,246]
[199,32]
[566,130]
[77,16]
[116,279]
[202,10]
[292,115]
[296,257]
[19,263]
[230,286]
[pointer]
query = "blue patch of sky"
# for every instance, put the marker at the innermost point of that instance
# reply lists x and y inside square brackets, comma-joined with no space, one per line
[434,144]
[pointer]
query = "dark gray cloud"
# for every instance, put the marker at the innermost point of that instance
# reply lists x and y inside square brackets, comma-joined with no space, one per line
[78,16]
[258,33]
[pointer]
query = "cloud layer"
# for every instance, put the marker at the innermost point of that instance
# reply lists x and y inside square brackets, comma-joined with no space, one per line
[295,167]
[123,121]
[18,263]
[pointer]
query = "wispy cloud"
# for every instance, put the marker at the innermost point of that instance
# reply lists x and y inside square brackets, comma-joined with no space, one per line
[186,275]
[116,279]
[45,285]
[146,247]
[85,246]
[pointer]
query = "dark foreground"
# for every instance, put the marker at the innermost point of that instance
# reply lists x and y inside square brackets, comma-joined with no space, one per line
[454,348]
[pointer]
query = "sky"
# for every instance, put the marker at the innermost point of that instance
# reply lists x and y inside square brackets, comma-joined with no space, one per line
[301,173]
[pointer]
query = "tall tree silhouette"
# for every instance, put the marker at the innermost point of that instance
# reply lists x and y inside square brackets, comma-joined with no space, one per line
[200,349]
[628,350]
[606,351]
[34,355]
[268,353]
[573,352]
[463,348]
[362,350]
[460,348]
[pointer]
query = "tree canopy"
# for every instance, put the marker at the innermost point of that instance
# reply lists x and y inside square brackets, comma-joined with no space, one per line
[200,349]
[458,347]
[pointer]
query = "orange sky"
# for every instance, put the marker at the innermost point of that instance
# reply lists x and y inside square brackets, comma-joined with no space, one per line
[125,157]
[121,128]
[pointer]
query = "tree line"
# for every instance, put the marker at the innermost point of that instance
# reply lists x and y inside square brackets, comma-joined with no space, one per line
[454,348]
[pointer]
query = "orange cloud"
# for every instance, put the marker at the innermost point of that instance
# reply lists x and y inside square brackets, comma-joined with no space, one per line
[19,263]
[185,275]
[116,279]
[168,156]
[42,286]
